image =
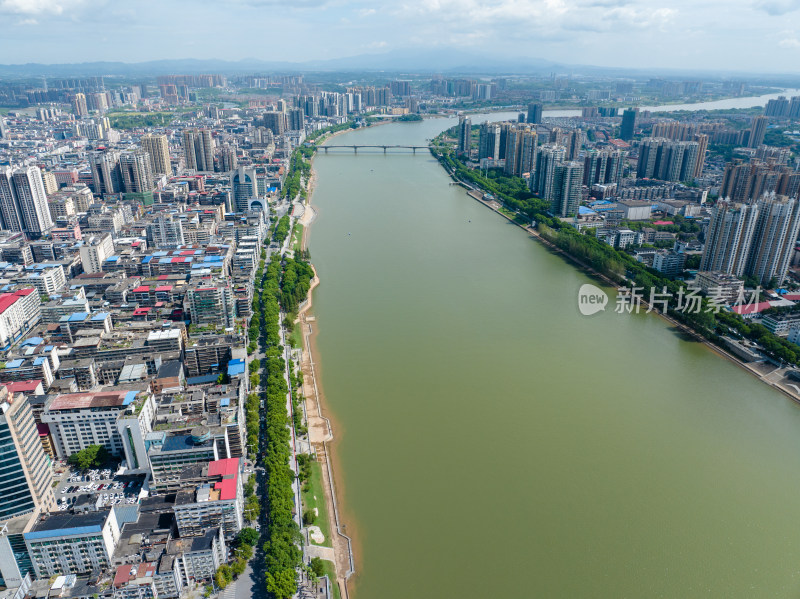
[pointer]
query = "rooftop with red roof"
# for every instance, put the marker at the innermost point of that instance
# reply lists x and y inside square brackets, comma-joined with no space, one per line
[88,399]
[127,573]
[743,309]
[23,386]
[228,469]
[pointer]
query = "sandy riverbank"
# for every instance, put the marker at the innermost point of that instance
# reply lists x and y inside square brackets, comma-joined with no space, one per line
[320,426]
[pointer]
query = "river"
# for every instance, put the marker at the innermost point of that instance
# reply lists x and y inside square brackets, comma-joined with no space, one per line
[493,442]
[726,104]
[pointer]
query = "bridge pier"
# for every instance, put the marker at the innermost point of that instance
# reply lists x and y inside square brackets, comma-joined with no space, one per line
[384,149]
[414,150]
[355,149]
[326,149]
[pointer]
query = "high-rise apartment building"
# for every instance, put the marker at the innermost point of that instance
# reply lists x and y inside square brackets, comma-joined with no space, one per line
[137,176]
[245,187]
[3,130]
[23,201]
[275,122]
[534,113]
[758,129]
[9,207]
[198,146]
[24,467]
[574,143]
[520,151]
[489,141]
[297,120]
[728,238]
[774,238]
[547,157]
[106,174]
[513,143]
[743,182]
[603,166]
[227,159]
[628,127]
[566,188]
[157,148]
[702,147]
[79,106]
[464,136]
[667,160]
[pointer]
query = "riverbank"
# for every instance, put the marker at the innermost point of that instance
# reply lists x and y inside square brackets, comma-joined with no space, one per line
[763,374]
[320,427]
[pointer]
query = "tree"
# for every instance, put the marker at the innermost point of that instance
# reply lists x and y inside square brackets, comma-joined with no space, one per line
[282,584]
[239,566]
[91,457]
[244,552]
[317,567]
[252,508]
[223,576]
[247,536]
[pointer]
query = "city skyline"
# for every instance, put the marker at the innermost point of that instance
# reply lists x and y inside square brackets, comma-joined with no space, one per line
[684,35]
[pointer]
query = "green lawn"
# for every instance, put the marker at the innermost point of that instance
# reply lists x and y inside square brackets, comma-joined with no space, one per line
[297,238]
[315,489]
[330,571]
[297,336]
[517,218]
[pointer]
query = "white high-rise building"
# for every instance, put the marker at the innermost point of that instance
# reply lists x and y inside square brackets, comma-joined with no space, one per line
[23,201]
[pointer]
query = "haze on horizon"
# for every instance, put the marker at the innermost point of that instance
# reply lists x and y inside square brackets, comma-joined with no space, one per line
[740,35]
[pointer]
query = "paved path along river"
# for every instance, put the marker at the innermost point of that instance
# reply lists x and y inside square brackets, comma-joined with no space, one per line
[493,442]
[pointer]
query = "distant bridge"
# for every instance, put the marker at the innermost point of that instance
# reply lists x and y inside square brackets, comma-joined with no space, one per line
[377,147]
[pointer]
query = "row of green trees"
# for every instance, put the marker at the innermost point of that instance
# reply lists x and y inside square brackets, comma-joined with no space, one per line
[621,268]
[282,554]
[282,229]
[295,283]
[299,168]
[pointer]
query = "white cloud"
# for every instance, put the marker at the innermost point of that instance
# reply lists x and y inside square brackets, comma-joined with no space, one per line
[789,42]
[32,7]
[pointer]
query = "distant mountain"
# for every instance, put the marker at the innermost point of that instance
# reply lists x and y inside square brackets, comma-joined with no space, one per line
[412,60]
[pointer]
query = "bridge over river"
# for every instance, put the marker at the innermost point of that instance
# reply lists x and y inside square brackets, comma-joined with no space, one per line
[374,147]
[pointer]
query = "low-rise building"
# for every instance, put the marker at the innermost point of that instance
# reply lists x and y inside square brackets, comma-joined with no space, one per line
[217,503]
[78,420]
[72,543]
[197,558]
[669,264]
[780,324]
[728,288]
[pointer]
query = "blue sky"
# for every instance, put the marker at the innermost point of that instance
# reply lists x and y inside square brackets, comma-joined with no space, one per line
[754,35]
